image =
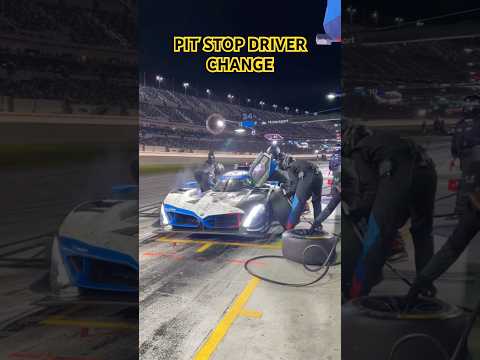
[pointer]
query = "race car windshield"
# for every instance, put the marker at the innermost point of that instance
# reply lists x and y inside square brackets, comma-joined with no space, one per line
[232,184]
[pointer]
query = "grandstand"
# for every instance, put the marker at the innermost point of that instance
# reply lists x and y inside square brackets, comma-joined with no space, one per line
[174,120]
[160,105]
[417,63]
[65,56]
[432,66]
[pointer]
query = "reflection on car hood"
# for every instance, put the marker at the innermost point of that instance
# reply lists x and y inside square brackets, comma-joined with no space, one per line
[210,202]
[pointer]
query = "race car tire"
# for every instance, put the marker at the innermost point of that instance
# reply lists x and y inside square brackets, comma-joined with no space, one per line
[373,328]
[303,248]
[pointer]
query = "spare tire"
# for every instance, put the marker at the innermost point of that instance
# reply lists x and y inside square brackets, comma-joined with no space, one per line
[372,326]
[303,248]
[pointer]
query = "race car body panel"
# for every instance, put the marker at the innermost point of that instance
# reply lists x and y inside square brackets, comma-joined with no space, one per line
[96,248]
[234,205]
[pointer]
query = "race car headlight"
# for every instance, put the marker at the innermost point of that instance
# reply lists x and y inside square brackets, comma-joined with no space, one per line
[163,216]
[255,213]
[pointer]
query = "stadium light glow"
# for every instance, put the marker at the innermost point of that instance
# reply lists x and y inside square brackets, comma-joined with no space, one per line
[159,79]
[275,107]
[286,108]
[297,111]
[186,86]
[331,96]
[209,92]
[248,100]
[261,103]
[220,123]
[230,97]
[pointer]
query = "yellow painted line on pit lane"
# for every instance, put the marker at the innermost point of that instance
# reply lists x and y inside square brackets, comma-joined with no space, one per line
[204,247]
[59,321]
[273,246]
[251,314]
[217,335]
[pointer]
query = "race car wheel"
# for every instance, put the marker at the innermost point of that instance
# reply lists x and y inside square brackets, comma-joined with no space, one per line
[304,248]
[429,330]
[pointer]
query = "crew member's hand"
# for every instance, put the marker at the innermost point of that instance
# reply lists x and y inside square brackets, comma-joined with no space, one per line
[315,229]
[287,190]
[417,289]
[412,296]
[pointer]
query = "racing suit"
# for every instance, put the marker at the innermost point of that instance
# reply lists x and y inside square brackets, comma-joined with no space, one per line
[467,135]
[351,239]
[306,180]
[465,231]
[397,181]
[336,195]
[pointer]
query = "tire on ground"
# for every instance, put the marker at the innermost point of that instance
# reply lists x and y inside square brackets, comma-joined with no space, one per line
[369,332]
[302,248]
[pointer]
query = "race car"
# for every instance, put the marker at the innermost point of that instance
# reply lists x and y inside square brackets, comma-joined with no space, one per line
[96,248]
[240,203]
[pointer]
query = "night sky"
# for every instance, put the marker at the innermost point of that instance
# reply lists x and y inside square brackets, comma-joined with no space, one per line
[300,80]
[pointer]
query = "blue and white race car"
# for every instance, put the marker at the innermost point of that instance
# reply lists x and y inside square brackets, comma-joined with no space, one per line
[96,249]
[240,203]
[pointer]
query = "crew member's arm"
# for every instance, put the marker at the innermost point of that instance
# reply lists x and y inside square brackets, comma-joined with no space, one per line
[329,209]
[279,176]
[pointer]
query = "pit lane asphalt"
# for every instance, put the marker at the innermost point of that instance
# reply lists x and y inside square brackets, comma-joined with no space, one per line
[191,288]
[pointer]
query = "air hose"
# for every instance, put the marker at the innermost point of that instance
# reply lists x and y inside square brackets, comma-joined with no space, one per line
[325,266]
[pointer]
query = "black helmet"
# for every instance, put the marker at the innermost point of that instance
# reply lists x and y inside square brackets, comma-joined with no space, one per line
[211,156]
[471,106]
[275,151]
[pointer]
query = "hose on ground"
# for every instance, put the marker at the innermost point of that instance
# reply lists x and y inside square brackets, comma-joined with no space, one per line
[325,266]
